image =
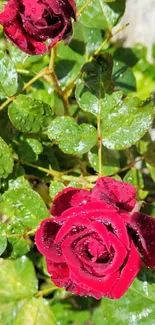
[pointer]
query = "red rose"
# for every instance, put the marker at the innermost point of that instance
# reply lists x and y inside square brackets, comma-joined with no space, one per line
[95,245]
[30,23]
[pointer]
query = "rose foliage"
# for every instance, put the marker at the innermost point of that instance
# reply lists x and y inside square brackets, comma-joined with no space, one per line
[77,166]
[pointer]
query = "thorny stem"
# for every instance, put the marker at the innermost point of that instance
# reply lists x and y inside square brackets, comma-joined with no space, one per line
[83,7]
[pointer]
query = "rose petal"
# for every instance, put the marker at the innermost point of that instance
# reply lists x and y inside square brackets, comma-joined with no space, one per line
[118,259]
[67,7]
[101,269]
[102,285]
[64,200]
[58,270]
[9,13]
[68,251]
[99,211]
[27,44]
[128,273]
[118,193]
[44,239]
[144,229]
[94,211]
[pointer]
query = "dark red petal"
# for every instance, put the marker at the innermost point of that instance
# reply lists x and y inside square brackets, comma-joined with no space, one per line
[68,7]
[57,270]
[112,265]
[68,251]
[9,13]
[144,231]
[71,224]
[65,199]
[27,44]
[82,210]
[120,254]
[97,211]
[115,192]
[93,211]
[128,273]
[99,284]
[44,239]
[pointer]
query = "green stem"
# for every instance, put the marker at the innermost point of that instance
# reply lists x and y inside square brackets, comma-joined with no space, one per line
[46,292]
[83,7]
[28,84]
[50,171]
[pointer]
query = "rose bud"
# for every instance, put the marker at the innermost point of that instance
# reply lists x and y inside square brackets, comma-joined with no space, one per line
[95,245]
[28,24]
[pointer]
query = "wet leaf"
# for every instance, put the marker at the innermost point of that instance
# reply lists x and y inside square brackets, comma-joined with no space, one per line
[6,160]
[9,77]
[95,92]
[127,123]
[72,138]
[110,161]
[29,149]
[18,280]
[27,205]
[101,14]
[3,239]
[135,177]
[36,311]
[55,188]
[29,115]
[135,307]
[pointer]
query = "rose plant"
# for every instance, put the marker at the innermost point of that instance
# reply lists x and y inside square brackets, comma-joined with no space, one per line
[77,167]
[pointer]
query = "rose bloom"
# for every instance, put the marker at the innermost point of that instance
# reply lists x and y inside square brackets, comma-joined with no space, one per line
[29,23]
[95,244]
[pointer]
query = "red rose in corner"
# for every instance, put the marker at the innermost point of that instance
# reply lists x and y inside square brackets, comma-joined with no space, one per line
[28,24]
[95,245]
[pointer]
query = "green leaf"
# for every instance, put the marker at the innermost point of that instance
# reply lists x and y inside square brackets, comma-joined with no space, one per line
[94,92]
[143,144]
[127,123]
[110,161]
[55,188]
[17,244]
[35,312]
[3,239]
[9,77]
[8,312]
[151,171]
[6,160]
[29,149]
[65,314]
[124,78]
[27,205]
[135,307]
[19,182]
[86,40]
[101,14]
[72,138]
[29,115]
[18,280]
[135,177]
[68,64]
